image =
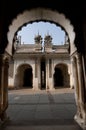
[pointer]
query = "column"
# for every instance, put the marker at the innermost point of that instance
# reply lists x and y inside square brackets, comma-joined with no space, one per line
[36,68]
[3,88]
[1,83]
[15,75]
[50,68]
[47,66]
[50,74]
[76,86]
[53,88]
[36,80]
[71,77]
[39,74]
[81,87]
[84,71]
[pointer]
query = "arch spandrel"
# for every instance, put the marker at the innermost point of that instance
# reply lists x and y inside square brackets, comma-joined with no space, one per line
[40,14]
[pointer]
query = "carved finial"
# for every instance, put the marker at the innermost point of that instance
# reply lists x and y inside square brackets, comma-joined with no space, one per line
[48,39]
[38,39]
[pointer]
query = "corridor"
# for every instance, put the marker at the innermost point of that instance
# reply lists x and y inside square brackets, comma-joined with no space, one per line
[41,110]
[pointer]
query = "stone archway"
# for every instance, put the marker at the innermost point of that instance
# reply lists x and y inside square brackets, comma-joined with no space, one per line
[54,16]
[40,14]
[58,78]
[61,76]
[27,78]
[21,80]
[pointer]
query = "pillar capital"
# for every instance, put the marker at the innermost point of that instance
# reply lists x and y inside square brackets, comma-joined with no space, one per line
[6,62]
[78,56]
[1,59]
[73,60]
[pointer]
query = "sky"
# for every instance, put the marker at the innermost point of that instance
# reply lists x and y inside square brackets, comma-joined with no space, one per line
[28,32]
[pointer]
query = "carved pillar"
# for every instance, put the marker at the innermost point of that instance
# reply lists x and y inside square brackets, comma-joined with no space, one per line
[50,74]
[36,69]
[81,87]
[53,74]
[71,77]
[1,83]
[36,82]
[50,68]
[47,66]
[84,71]
[3,88]
[76,86]
[39,74]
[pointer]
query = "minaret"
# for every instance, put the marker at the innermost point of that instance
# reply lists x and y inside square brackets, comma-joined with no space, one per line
[38,39]
[38,42]
[48,40]
[48,43]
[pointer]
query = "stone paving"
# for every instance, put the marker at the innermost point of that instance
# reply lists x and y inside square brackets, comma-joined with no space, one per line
[41,110]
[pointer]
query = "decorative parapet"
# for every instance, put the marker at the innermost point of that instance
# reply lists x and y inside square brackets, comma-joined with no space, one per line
[60,48]
[25,48]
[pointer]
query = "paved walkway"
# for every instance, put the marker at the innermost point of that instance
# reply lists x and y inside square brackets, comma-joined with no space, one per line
[41,110]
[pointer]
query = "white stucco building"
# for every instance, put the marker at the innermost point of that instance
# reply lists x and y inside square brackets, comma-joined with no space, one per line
[40,65]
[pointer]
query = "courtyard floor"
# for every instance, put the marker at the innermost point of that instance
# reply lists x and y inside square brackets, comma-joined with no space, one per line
[41,110]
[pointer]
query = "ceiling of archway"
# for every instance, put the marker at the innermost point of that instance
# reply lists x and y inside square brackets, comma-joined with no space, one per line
[39,14]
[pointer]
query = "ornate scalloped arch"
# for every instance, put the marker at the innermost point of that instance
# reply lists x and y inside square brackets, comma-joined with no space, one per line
[39,14]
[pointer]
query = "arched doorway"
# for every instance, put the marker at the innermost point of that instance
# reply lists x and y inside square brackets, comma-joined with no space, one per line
[23,76]
[27,80]
[61,76]
[58,77]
